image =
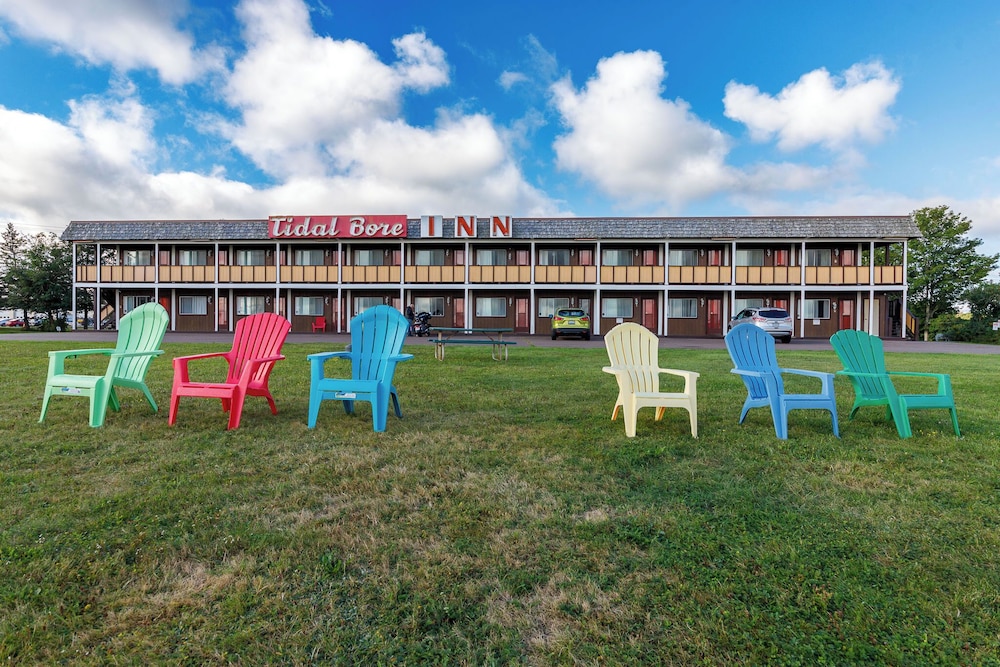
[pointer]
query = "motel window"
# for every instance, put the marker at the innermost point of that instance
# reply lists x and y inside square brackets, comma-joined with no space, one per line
[586,257]
[250,257]
[250,305]
[617,257]
[616,307]
[685,257]
[368,257]
[192,305]
[715,257]
[848,257]
[742,304]
[781,257]
[819,257]
[137,257]
[309,305]
[553,257]
[429,304]
[547,306]
[491,256]
[130,303]
[192,257]
[682,308]
[491,306]
[649,258]
[428,257]
[753,257]
[522,258]
[816,309]
[363,303]
[308,257]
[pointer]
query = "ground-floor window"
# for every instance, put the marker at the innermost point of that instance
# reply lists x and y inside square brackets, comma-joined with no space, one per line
[130,303]
[816,309]
[742,304]
[250,305]
[363,303]
[548,305]
[192,305]
[616,307]
[682,308]
[429,304]
[308,305]
[491,306]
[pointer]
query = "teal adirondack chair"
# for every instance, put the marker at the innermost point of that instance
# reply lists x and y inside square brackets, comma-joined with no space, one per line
[864,363]
[755,361]
[140,333]
[377,337]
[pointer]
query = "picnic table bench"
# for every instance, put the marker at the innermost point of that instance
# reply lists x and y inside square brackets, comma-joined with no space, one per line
[494,338]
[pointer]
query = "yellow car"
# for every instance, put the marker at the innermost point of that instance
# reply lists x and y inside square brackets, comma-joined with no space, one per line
[571,322]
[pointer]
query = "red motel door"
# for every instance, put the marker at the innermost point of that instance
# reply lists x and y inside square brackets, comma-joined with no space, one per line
[649,314]
[714,321]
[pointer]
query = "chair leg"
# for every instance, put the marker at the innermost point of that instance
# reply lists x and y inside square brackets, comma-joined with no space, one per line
[271,403]
[836,429]
[149,398]
[235,410]
[395,402]
[45,403]
[315,399]
[99,399]
[175,400]
[380,409]
[693,416]
[954,420]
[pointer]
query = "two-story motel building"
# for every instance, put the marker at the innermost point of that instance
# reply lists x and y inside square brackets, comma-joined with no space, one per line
[675,276]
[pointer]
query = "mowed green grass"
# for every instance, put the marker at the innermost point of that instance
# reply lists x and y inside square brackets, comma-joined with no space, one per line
[504,520]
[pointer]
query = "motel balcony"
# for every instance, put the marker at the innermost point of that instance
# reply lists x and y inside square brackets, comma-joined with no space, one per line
[633,275]
[434,274]
[574,275]
[500,274]
[247,274]
[204,273]
[371,274]
[700,275]
[309,274]
[128,274]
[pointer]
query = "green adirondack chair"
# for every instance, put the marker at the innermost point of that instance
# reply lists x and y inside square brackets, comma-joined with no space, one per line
[864,363]
[140,333]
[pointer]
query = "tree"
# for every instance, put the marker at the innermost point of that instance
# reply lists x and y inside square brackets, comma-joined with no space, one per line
[44,281]
[12,247]
[944,263]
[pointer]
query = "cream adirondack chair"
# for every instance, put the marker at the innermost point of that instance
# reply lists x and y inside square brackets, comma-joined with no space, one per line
[634,354]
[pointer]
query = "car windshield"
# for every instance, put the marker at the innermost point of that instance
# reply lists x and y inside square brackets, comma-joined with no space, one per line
[570,313]
[774,313]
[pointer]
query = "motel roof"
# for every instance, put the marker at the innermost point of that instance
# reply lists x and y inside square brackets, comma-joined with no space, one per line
[593,228]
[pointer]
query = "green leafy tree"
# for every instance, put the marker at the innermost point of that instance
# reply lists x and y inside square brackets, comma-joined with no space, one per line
[43,281]
[944,264]
[13,245]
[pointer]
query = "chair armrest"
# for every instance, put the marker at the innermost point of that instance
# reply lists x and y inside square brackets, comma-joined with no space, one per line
[684,374]
[943,379]
[146,353]
[250,367]
[57,358]
[324,356]
[181,364]
[400,357]
[815,374]
[750,373]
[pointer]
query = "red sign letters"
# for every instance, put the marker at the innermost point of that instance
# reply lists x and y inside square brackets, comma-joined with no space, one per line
[333,226]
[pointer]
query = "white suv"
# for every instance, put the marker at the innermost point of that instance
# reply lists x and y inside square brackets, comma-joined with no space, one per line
[775,321]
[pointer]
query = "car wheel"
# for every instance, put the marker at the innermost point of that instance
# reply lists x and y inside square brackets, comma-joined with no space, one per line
[786,340]
[586,336]
[553,335]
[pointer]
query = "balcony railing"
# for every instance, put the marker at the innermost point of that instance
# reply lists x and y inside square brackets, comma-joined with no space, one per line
[435,274]
[768,275]
[128,274]
[247,274]
[889,275]
[309,274]
[370,274]
[837,275]
[700,275]
[499,274]
[632,275]
[566,274]
[187,274]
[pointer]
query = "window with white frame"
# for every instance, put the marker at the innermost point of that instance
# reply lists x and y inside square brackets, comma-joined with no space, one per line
[428,257]
[308,257]
[684,308]
[553,257]
[819,257]
[491,257]
[429,304]
[137,258]
[753,257]
[192,305]
[131,302]
[683,257]
[616,307]
[368,257]
[308,305]
[548,305]
[617,257]
[250,305]
[816,309]
[742,304]
[363,303]
[251,257]
[195,257]
[491,306]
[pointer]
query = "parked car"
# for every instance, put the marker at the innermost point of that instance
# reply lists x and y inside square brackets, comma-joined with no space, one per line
[775,321]
[15,323]
[571,322]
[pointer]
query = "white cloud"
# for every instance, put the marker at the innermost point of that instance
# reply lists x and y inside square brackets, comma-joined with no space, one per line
[633,144]
[508,80]
[835,112]
[124,35]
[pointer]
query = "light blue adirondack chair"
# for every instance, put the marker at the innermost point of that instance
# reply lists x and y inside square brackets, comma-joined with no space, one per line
[755,361]
[377,337]
[864,363]
[140,333]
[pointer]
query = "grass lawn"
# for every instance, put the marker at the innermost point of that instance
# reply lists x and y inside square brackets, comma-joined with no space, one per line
[504,520]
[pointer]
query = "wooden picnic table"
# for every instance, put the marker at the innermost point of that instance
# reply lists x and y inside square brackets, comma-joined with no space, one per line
[493,336]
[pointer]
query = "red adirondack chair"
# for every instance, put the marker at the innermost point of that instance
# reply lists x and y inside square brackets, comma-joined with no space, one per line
[319,324]
[256,348]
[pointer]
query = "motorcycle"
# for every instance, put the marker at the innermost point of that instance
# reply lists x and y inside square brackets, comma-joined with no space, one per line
[421,324]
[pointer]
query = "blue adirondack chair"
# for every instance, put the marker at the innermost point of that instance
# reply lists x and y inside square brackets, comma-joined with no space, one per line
[377,337]
[755,361]
[140,333]
[864,363]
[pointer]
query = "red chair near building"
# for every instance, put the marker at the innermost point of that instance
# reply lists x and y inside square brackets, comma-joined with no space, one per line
[319,324]
[256,348]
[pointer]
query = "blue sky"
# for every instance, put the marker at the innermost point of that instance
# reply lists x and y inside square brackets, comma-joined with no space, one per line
[168,109]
